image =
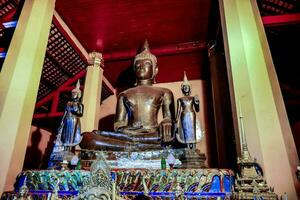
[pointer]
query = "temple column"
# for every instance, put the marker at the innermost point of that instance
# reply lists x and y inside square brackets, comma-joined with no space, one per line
[225,143]
[19,82]
[92,93]
[254,85]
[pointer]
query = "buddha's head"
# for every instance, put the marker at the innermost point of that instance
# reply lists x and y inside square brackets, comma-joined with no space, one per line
[145,65]
[76,92]
[185,86]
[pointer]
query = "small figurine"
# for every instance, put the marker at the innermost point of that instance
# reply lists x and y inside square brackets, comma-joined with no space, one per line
[23,193]
[188,126]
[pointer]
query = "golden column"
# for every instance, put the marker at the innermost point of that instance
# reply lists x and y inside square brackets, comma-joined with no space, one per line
[19,82]
[92,93]
[254,85]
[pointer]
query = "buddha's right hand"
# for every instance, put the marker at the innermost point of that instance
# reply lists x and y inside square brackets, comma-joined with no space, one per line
[119,126]
[165,130]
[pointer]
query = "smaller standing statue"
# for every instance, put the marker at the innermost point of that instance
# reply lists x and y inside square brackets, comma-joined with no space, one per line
[69,132]
[188,126]
[69,129]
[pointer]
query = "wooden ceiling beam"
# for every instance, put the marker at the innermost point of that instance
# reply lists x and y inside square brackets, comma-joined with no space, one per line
[180,48]
[281,20]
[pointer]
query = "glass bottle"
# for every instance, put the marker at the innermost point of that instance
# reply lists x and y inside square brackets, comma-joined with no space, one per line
[163,163]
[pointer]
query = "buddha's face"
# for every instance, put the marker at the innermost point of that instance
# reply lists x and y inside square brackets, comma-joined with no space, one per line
[186,89]
[144,69]
[75,94]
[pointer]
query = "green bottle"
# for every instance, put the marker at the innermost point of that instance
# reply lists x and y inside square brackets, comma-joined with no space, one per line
[163,163]
[78,166]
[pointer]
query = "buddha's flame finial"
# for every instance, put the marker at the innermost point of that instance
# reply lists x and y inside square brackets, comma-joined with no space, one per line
[185,80]
[77,89]
[146,45]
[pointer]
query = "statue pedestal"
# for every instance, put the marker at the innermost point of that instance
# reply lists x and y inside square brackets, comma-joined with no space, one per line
[56,158]
[193,159]
[130,183]
[131,160]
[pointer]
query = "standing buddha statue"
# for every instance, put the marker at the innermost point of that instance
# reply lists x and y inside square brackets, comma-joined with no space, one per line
[69,129]
[188,126]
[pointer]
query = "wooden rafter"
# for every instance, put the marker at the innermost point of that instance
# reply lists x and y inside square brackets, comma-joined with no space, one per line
[281,20]
[161,51]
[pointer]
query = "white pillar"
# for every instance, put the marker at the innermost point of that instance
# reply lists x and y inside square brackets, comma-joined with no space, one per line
[92,93]
[255,85]
[19,81]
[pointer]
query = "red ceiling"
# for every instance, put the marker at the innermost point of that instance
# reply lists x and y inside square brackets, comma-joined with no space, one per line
[170,68]
[112,26]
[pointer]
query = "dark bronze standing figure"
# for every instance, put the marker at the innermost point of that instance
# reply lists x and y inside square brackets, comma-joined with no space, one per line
[70,129]
[188,126]
[69,132]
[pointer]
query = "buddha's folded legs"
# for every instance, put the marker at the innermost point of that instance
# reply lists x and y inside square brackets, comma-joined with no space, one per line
[112,141]
[146,137]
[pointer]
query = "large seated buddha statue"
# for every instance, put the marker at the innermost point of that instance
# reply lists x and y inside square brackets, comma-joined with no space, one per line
[136,121]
